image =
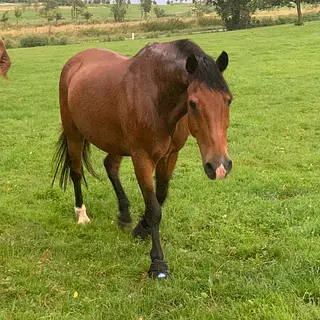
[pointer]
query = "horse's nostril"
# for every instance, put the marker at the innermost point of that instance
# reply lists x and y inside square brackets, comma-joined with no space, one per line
[209,170]
[229,165]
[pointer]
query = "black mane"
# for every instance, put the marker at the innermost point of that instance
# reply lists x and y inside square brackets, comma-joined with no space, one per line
[207,72]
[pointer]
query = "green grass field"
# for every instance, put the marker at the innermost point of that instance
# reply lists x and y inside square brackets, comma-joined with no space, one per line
[244,248]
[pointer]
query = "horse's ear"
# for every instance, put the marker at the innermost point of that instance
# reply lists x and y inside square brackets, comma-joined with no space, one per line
[192,64]
[222,61]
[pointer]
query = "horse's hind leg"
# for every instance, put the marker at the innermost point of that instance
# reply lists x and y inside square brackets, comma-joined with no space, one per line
[112,165]
[75,151]
[73,147]
[68,158]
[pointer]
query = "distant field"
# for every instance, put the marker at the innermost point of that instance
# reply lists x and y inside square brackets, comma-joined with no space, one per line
[30,16]
[102,12]
[247,248]
[102,19]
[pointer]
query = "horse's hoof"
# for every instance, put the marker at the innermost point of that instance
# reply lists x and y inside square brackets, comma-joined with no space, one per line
[159,270]
[83,220]
[81,215]
[124,225]
[140,231]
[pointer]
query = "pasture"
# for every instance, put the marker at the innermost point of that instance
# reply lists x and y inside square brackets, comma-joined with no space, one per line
[244,248]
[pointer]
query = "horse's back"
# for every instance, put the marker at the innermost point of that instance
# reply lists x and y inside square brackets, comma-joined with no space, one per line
[86,68]
[99,56]
[90,58]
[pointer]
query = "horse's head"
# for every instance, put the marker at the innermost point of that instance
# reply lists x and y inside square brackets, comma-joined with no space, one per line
[208,112]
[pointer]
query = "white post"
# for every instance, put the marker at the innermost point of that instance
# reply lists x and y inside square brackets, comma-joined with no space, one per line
[132,35]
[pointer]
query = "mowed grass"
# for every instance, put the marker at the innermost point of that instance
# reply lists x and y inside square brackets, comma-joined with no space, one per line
[244,248]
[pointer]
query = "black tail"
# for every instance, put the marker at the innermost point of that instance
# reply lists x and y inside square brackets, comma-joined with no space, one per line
[61,161]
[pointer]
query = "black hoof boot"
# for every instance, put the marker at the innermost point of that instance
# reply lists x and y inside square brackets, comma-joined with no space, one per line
[142,230]
[125,226]
[159,269]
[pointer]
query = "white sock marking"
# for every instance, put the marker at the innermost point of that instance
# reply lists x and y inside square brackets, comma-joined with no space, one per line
[81,215]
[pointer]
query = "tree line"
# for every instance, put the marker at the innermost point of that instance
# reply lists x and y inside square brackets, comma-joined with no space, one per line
[235,14]
[50,9]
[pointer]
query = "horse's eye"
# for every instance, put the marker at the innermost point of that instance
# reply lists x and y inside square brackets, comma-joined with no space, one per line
[192,105]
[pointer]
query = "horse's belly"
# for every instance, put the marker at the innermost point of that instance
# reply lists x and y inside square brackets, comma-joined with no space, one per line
[113,144]
[101,129]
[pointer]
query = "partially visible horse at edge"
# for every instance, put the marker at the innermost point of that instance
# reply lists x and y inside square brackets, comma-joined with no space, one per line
[5,62]
[143,107]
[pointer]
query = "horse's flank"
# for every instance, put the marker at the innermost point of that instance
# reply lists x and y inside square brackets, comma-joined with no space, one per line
[5,62]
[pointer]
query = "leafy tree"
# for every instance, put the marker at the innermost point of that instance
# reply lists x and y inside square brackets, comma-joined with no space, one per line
[28,4]
[49,15]
[292,3]
[50,12]
[198,8]
[299,12]
[58,16]
[50,5]
[145,7]
[77,7]
[5,17]
[159,12]
[87,15]
[119,10]
[236,14]
[18,11]
[36,6]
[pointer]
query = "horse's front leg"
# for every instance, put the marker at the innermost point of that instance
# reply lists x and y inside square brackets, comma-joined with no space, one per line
[144,167]
[164,171]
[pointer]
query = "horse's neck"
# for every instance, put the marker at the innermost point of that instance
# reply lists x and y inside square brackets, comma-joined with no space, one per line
[173,108]
[171,94]
[165,79]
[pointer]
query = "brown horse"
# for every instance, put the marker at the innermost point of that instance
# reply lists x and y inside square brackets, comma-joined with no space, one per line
[4,60]
[143,107]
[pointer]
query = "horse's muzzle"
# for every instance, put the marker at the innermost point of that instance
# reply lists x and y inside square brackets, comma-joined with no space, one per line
[218,171]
